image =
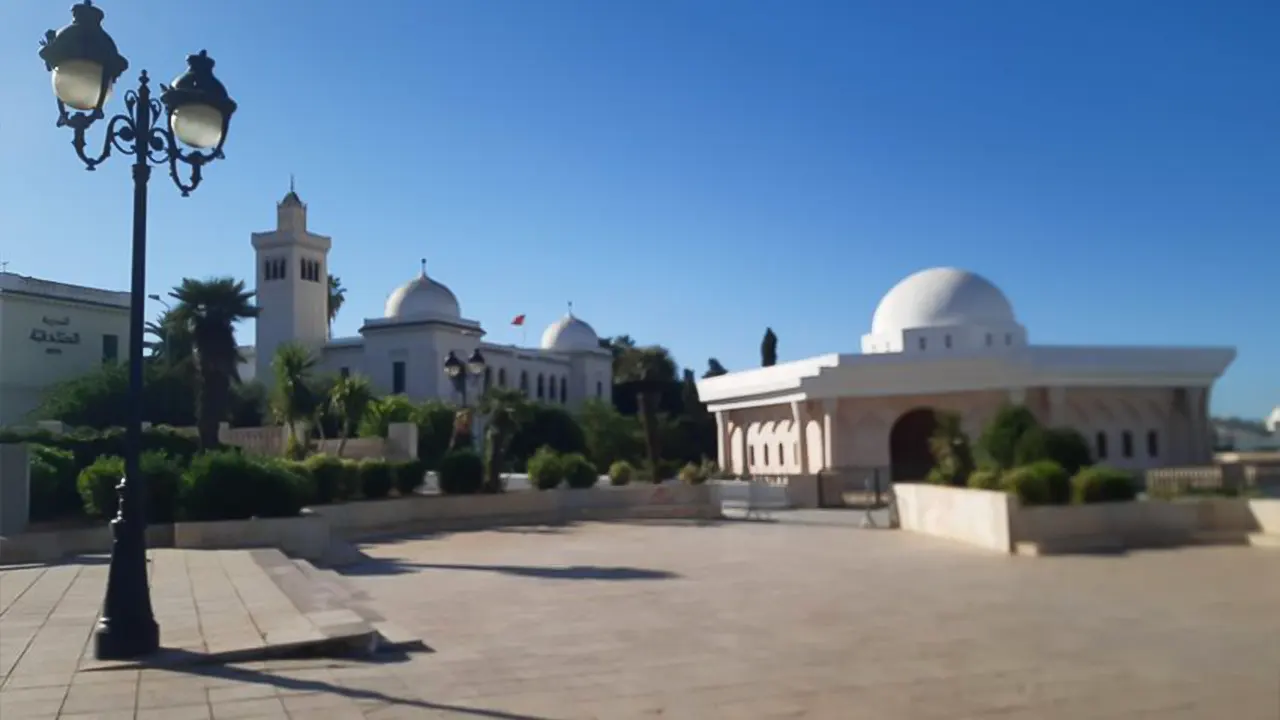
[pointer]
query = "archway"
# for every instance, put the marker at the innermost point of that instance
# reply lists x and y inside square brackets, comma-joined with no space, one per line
[909,457]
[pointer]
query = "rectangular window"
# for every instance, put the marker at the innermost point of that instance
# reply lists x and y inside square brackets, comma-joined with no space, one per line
[344,372]
[397,377]
[1126,443]
[1102,446]
[1153,444]
[110,348]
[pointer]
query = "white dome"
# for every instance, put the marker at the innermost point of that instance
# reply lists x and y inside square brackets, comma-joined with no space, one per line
[941,297]
[422,296]
[569,334]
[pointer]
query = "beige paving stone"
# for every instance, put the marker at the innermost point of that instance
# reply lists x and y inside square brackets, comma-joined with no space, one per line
[254,708]
[178,712]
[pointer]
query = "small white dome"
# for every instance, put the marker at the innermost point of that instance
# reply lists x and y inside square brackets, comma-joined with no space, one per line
[941,297]
[569,334]
[422,297]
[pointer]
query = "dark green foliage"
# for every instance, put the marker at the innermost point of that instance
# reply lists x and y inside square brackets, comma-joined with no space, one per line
[435,429]
[546,469]
[53,484]
[769,348]
[547,425]
[100,398]
[89,445]
[610,436]
[579,473]
[409,475]
[228,485]
[1041,483]
[621,473]
[985,480]
[1101,484]
[952,456]
[997,448]
[336,480]
[1064,446]
[697,473]
[97,486]
[376,478]
[161,477]
[461,472]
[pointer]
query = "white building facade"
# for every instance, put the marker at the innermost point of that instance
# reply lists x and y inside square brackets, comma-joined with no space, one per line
[52,332]
[945,339]
[404,351]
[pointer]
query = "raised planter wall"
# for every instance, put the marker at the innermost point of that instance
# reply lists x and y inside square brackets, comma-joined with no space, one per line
[305,536]
[1125,524]
[973,517]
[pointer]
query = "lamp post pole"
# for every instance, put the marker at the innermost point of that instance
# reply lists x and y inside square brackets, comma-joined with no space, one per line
[462,373]
[85,65]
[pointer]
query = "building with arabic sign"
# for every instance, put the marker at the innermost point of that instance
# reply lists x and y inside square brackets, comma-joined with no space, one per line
[51,332]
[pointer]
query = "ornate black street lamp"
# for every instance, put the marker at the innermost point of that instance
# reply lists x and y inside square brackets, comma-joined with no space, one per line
[85,65]
[460,373]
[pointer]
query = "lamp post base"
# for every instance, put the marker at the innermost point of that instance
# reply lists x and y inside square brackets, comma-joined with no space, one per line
[114,639]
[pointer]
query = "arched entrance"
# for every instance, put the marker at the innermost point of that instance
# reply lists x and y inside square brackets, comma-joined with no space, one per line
[909,457]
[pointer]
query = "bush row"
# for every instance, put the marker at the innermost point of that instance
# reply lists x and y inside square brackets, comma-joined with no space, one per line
[1047,483]
[549,469]
[220,485]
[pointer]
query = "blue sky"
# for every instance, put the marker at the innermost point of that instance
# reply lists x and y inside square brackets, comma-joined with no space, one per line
[672,166]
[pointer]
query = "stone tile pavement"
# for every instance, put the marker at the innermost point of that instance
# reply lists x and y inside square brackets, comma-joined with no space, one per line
[738,620]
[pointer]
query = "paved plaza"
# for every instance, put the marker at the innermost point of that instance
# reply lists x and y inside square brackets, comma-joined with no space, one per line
[744,620]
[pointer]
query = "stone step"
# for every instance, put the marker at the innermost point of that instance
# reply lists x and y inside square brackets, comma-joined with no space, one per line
[331,581]
[1071,546]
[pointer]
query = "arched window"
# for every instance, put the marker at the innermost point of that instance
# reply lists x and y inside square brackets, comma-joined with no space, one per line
[540,386]
[599,389]
[564,390]
[488,378]
[502,377]
[1153,444]
[766,455]
[947,342]
[1126,444]
[782,458]
[751,454]
[524,381]
[922,343]
[1101,441]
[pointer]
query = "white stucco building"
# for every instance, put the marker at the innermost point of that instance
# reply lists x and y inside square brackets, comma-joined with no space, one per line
[51,332]
[404,350]
[946,339]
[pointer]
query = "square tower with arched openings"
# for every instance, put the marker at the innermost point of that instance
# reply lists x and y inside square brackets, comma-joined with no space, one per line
[292,284]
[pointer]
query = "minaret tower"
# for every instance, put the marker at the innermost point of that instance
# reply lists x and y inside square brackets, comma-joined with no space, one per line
[292,284]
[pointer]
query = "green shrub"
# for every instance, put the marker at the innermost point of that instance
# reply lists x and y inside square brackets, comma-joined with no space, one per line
[97,486]
[1100,484]
[546,469]
[376,478]
[408,476]
[621,473]
[695,473]
[985,480]
[997,446]
[1041,483]
[1064,446]
[305,479]
[579,473]
[461,472]
[162,475]
[53,484]
[227,485]
[336,480]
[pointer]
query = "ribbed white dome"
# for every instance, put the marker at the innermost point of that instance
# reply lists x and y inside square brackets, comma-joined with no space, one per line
[422,297]
[569,334]
[941,297]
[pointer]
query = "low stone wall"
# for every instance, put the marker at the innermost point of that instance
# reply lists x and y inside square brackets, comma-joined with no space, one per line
[53,545]
[15,488]
[1070,528]
[305,536]
[973,517]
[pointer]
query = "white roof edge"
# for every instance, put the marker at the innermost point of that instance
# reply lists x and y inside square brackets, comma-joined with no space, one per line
[763,380]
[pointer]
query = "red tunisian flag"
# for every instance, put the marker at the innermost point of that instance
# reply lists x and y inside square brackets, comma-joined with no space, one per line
[518,320]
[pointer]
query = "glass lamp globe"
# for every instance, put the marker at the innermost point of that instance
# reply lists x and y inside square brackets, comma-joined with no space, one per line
[197,125]
[475,364]
[78,83]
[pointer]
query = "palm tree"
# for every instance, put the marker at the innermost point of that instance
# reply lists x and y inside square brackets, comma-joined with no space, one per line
[648,370]
[337,296]
[173,343]
[952,454]
[209,310]
[293,400]
[505,411]
[349,399]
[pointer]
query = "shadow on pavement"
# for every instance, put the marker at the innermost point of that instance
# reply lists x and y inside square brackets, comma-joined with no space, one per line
[379,566]
[260,677]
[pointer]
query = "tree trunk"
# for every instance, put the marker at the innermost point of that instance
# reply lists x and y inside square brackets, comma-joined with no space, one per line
[214,388]
[493,460]
[649,424]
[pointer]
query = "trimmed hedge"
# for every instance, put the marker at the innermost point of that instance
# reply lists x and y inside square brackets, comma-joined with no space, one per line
[1064,446]
[985,480]
[409,475]
[88,446]
[1041,483]
[53,484]
[621,473]
[461,472]
[227,485]
[546,469]
[1101,484]
[161,477]
[579,473]
[376,478]
[336,480]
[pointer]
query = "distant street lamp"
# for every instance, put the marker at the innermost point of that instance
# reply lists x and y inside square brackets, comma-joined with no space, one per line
[462,373]
[164,330]
[85,66]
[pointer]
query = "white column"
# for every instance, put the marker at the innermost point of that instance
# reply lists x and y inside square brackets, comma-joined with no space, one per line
[723,452]
[799,419]
[828,434]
